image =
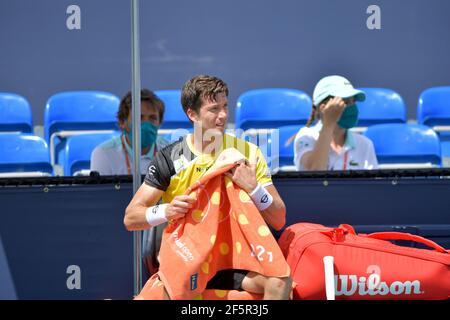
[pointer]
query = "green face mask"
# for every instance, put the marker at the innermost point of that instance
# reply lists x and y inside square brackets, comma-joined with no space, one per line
[349,117]
[149,133]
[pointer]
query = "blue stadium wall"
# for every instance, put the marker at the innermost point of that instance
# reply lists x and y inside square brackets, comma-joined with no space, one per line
[46,231]
[250,44]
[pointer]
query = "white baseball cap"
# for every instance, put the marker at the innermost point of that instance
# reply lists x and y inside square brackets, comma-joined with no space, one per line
[335,86]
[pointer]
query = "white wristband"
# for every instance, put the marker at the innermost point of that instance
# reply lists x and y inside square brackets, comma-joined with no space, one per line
[261,198]
[156,215]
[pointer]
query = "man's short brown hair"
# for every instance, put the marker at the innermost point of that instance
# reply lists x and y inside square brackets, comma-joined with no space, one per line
[201,87]
[146,95]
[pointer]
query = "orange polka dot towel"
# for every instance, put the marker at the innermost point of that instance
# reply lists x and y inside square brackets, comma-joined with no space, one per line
[224,230]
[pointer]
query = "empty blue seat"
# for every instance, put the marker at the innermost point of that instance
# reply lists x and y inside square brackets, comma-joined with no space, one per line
[78,151]
[15,113]
[276,145]
[433,110]
[272,108]
[24,153]
[445,152]
[174,116]
[272,160]
[68,113]
[445,149]
[286,135]
[405,144]
[381,106]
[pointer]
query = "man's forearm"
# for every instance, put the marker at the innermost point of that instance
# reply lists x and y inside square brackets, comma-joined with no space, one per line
[135,213]
[270,205]
[135,218]
[275,215]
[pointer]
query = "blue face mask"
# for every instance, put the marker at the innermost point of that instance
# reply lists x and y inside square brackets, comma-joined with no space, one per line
[149,133]
[349,117]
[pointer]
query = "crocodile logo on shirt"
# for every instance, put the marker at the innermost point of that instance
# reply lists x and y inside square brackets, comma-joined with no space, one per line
[303,144]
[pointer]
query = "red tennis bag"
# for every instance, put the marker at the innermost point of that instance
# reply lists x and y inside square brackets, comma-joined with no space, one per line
[365,266]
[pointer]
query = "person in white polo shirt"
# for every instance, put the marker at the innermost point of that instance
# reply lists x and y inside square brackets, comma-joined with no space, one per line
[329,144]
[114,157]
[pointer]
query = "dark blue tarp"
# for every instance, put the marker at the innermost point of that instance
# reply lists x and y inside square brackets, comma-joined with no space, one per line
[7,290]
[368,201]
[43,233]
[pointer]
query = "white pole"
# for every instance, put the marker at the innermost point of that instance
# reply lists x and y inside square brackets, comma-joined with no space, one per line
[328,263]
[136,127]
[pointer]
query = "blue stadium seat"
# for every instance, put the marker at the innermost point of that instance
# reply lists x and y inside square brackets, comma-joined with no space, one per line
[272,108]
[271,158]
[78,151]
[286,146]
[276,146]
[24,154]
[402,144]
[381,106]
[15,113]
[445,151]
[434,107]
[69,113]
[174,116]
[445,147]
[433,110]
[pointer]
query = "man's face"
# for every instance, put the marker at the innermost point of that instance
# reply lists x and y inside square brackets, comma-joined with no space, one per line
[149,113]
[213,114]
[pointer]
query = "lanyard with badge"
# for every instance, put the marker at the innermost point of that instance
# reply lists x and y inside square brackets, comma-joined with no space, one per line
[345,162]
[127,159]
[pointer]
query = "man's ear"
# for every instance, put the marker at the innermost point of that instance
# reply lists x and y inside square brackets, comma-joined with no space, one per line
[192,115]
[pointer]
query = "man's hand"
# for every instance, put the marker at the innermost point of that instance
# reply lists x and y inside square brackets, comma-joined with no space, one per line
[332,111]
[244,175]
[179,206]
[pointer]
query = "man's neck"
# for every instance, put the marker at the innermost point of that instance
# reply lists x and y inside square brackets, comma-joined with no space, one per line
[206,143]
[143,151]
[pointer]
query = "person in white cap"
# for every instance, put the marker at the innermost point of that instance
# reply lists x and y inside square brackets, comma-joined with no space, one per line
[329,144]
